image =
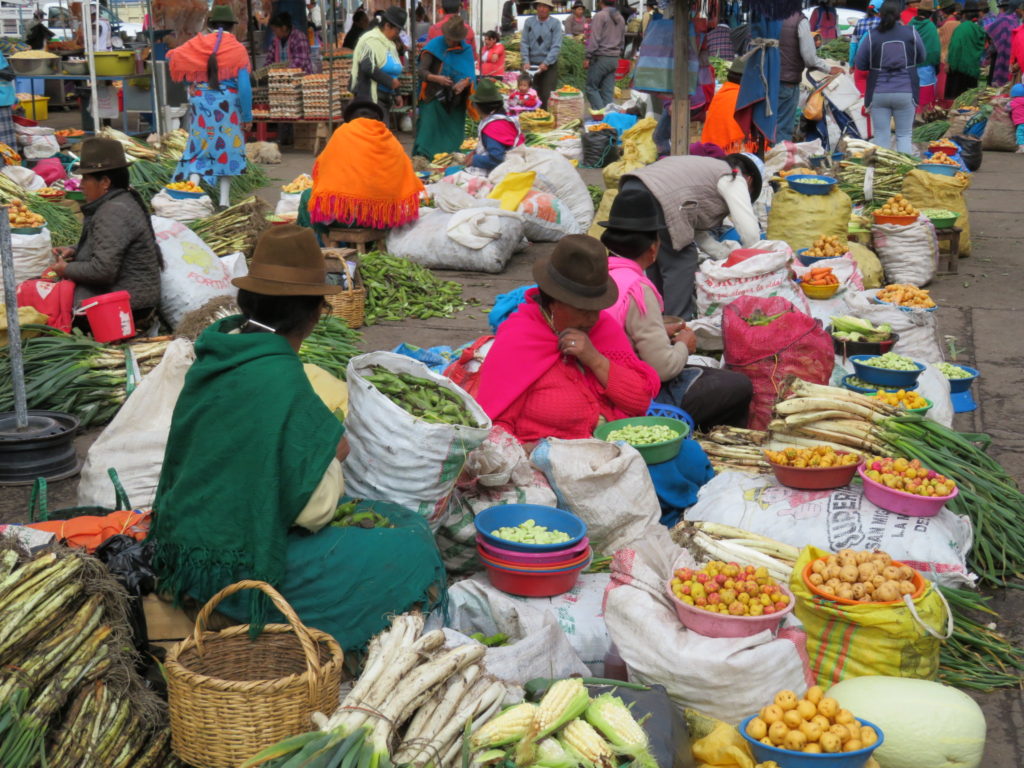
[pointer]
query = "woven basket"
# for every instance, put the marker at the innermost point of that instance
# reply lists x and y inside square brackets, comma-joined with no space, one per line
[566,107]
[231,696]
[350,304]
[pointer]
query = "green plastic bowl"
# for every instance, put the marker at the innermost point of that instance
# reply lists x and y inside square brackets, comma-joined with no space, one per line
[942,219]
[655,453]
[26,230]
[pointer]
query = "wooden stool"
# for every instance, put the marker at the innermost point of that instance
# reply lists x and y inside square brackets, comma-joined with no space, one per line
[357,236]
[949,256]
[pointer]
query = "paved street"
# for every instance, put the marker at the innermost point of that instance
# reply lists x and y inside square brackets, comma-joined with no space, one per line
[979,311]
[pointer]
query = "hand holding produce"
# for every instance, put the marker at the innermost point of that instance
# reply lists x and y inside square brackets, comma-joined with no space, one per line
[891,361]
[21,217]
[185,186]
[530,533]
[299,184]
[820,276]
[637,434]
[908,476]
[815,724]
[902,399]
[820,456]
[951,371]
[850,328]
[730,588]
[898,205]
[862,576]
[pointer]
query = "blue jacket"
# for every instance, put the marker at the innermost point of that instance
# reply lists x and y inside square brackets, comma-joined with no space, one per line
[7,97]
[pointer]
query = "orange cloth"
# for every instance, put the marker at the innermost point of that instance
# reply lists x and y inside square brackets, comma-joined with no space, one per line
[364,178]
[89,531]
[189,60]
[720,126]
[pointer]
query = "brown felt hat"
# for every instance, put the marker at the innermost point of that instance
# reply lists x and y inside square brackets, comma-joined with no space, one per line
[454,29]
[99,154]
[287,262]
[576,273]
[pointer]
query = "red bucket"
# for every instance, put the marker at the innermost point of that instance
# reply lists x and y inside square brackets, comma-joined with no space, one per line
[625,65]
[110,316]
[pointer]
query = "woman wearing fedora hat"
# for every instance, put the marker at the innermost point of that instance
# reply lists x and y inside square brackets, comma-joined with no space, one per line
[216,67]
[712,396]
[117,250]
[558,365]
[447,71]
[253,467]
[497,132]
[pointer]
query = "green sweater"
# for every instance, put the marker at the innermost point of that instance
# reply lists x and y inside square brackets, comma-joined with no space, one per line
[966,47]
[930,37]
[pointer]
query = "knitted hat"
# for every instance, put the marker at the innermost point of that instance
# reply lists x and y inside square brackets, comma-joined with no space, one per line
[576,273]
[454,29]
[287,262]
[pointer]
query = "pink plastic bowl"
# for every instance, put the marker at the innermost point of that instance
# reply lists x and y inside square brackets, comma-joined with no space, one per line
[561,565]
[720,625]
[532,558]
[901,502]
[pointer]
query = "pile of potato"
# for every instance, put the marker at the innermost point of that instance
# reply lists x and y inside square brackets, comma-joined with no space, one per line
[815,724]
[898,205]
[862,576]
[21,217]
[827,246]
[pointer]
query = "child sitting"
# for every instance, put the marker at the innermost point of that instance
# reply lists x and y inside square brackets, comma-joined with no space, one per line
[492,57]
[1017,112]
[524,98]
[498,132]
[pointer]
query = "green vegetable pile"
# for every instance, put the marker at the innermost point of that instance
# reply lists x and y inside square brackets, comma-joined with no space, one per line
[491,641]
[64,228]
[837,50]
[396,288]
[932,131]
[891,361]
[596,193]
[974,97]
[850,328]
[951,371]
[331,344]
[530,533]
[423,398]
[638,434]
[721,68]
[234,229]
[854,381]
[570,64]
[348,515]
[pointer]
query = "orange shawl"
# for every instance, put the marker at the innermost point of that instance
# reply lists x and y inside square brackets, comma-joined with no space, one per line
[364,178]
[720,126]
[188,61]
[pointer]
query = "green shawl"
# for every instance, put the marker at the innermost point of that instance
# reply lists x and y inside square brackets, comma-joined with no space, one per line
[966,47]
[374,44]
[249,443]
[930,37]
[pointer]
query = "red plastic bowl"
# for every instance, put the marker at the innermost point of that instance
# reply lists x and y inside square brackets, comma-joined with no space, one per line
[816,478]
[533,584]
[943,149]
[532,558]
[721,625]
[901,502]
[563,564]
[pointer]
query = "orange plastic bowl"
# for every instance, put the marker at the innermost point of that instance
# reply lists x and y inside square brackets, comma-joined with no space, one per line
[918,580]
[903,220]
[815,478]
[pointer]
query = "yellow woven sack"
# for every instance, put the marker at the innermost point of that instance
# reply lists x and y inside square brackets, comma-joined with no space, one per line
[868,639]
[930,190]
[513,188]
[638,142]
[801,219]
[869,264]
[604,210]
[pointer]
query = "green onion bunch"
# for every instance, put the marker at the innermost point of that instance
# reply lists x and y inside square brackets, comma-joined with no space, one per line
[976,656]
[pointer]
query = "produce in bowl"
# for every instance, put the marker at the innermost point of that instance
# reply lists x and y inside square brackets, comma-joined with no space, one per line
[901,398]
[814,726]
[908,476]
[951,371]
[888,370]
[813,469]
[863,576]
[850,328]
[905,295]
[636,434]
[529,532]
[826,247]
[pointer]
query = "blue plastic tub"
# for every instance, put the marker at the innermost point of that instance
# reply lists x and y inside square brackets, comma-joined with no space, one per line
[763,753]
[810,261]
[671,412]
[179,195]
[511,515]
[798,183]
[939,168]
[869,392]
[960,391]
[885,377]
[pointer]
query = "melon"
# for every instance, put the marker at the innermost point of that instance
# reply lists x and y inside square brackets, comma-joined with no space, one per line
[925,724]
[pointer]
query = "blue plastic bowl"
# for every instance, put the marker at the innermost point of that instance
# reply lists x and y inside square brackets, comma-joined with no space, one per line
[960,391]
[869,392]
[810,261]
[962,385]
[177,194]
[876,300]
[511,515]
[786,759]
[799,183]
[884,377]
[939,168]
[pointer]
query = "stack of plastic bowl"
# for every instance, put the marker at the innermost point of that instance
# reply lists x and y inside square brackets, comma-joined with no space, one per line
[532,570]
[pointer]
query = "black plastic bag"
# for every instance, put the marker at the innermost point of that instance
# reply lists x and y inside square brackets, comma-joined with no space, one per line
[970,151]
[130,563]
[599,148]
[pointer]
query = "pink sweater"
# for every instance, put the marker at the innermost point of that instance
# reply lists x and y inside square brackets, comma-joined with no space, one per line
[1017,110]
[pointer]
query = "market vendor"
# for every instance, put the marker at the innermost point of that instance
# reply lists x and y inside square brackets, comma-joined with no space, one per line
[720,126]
[695,195]
[363,178]
[289,44]
[216,67]
[375,62]
[497,132]
[558,366]
[447,71]
[117,250]
[252,476]
[712,396]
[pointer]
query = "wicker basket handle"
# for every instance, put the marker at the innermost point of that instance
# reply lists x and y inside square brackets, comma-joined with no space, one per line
[309,647]
[350,277]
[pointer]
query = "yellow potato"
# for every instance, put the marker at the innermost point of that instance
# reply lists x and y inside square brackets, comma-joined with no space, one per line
[772,714]
[852,745]
[813,749]
[792,718]
[811,730]
[828,707]
[777,732]
[786,700]
[830,743]
[795,741]
[757,728]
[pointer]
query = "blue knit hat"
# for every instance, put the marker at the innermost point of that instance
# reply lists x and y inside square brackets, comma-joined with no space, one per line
[1017,91]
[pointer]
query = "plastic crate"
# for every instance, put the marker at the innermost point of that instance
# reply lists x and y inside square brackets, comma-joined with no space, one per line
[671,412]
[37,108]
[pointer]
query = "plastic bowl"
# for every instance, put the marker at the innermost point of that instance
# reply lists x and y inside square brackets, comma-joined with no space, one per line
[866,391]
[655,453]
[177,194]
[918,580]
[800,184]
[876,300]
[960,391]
[764,753]
[962,385]
[816,478]
[819,291]
[720,625]
[942,219]
[923,409]
[565,564]
[885,377]
[901,502]
[943,149]
[901,220]
[26,230]
[511,515]
[939,168]
[531,558]
[671,412]
[810,261]
[847,348]
[533,584]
